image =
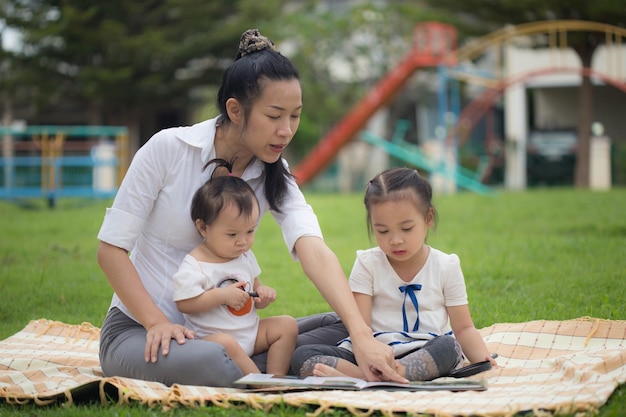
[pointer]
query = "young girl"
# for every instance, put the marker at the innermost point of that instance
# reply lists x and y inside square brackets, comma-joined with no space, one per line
[217,281]
[147,232]
[412,295]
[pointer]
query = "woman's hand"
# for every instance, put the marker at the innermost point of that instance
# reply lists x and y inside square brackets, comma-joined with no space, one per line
[160,335]
[126,283]
[320,264]
[376,359]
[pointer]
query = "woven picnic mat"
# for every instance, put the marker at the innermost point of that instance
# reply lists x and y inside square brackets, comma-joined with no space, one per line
[545,366]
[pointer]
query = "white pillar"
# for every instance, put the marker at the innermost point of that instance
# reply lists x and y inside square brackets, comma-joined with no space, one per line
[358,161]
[600,163]
[516,132]
[103,155]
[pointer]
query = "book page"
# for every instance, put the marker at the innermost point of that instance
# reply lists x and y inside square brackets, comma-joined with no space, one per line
[347,383]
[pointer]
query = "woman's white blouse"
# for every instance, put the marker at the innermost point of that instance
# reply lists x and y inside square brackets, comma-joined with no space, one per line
[150,216]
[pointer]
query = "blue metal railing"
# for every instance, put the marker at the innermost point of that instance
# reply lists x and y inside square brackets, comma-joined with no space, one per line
[74,176]
[41,167]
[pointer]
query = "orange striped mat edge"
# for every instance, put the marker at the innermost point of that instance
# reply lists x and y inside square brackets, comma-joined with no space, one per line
[545,366]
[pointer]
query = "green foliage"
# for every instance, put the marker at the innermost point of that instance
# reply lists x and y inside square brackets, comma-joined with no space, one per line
[544,254]
[342,49]
[125,61]
[476,17]
[137,56]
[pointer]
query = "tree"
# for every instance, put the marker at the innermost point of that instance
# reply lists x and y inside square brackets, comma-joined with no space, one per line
[482,16]
[17,80]
[125,61]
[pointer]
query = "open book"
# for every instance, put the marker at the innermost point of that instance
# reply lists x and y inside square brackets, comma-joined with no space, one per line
[356,384]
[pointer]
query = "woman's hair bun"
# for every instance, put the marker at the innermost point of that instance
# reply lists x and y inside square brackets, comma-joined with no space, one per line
[252,41]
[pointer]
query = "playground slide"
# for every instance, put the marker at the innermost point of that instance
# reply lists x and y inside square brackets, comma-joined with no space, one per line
[412,154]
[434,42]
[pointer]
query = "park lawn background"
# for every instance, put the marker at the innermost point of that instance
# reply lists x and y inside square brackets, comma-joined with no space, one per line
[553,253]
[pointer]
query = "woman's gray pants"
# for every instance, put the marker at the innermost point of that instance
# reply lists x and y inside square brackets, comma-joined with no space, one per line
[197,362]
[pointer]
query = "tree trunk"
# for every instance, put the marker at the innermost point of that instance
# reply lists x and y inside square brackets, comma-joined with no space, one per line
[585,119]
[129,118]
[7,140]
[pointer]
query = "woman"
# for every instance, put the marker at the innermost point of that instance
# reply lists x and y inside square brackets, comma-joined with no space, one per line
[260,101]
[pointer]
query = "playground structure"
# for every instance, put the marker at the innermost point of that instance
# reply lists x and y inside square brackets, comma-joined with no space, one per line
[90,161]
[62,161]
[435,46]
[413,155]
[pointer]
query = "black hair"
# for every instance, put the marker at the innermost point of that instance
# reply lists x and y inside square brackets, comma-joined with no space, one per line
[219,191]
[396,184]
[256,62]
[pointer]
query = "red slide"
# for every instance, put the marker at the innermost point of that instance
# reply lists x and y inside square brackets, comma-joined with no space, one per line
[434,44]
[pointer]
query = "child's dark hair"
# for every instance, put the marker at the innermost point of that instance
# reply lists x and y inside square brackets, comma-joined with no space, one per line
[219,191]
[257,61]
[396,184]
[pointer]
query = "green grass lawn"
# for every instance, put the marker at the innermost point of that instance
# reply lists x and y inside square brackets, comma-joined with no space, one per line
[543,254]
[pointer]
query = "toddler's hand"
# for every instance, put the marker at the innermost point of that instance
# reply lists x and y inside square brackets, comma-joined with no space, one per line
[265,296]
[235,296]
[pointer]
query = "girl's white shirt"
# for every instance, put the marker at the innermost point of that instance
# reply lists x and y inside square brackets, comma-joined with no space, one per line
[195,277]
[150,214]
[442,285]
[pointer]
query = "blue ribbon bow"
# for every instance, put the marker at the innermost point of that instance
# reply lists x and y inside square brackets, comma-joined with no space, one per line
[410,291]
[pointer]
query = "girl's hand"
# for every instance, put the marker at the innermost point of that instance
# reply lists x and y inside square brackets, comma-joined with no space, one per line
[160,335]
[492,358]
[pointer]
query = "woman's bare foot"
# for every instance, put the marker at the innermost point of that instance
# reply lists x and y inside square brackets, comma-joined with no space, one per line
[324,370]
